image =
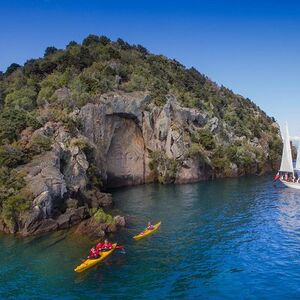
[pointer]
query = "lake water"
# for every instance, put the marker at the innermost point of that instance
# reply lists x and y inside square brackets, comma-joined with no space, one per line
[227,239]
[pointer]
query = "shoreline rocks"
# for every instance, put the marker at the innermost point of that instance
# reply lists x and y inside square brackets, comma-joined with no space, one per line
[100,224]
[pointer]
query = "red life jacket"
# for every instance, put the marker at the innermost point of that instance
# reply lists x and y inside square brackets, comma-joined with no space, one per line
[107,245]
[93,253]
[99,246]
[277,176]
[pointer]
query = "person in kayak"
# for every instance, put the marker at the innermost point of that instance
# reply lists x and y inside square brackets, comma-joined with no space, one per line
[106,246]
[150,226]
[99,247]
[94,253]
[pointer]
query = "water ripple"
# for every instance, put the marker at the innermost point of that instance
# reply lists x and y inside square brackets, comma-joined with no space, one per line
[228,239]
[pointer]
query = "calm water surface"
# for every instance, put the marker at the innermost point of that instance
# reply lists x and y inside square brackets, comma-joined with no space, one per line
[228,239]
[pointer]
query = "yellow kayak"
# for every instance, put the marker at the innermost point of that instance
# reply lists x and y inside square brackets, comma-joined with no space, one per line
[88,263]
[147,232]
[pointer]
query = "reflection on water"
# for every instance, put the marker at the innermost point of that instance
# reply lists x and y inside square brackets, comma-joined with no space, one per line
[289,209]
[233,238]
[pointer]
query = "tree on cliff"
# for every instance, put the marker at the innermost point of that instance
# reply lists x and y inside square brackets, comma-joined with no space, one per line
[49,51]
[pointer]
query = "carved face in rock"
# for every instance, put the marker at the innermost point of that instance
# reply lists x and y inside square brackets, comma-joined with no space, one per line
[126,154]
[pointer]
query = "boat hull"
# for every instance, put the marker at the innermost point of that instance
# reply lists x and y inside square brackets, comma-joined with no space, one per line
[89,263]
[146,232]
[293,185]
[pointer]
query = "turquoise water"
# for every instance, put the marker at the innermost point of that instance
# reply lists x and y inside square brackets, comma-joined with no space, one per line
[228,239]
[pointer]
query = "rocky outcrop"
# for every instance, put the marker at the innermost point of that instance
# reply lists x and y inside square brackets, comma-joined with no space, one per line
[96,199]
[193,170]
[125,129]
[53,178]
[99,225]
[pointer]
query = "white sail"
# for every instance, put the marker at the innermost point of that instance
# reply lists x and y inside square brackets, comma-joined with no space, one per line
[297,167]
[286,160]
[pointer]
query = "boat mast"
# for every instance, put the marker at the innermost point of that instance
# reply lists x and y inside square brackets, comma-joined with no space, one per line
[297,167]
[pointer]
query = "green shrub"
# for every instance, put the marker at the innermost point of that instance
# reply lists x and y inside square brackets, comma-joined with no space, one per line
[62,115]
[136,83]
[94,176]
[13,121]
[15,205]
[50,50]
[12,155]
[11,181]
[164,168]
[14,197]
[99,216]
[21,99]
[84,145]
[220,164]
[242,154]
[195,150]
[12,68]
[53,82]
[40,143]
[158,92]
[275,149]
[205,138]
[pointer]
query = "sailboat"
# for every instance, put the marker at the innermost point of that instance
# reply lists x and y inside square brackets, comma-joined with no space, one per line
[287,170]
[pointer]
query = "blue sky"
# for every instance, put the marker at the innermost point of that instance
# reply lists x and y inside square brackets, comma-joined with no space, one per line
[251,47]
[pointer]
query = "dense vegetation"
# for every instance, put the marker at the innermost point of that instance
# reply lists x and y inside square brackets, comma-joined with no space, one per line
[28,99]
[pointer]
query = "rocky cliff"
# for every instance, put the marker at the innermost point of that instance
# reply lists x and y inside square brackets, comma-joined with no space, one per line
[127,132]
[106,114]
[57,182]
[137,142]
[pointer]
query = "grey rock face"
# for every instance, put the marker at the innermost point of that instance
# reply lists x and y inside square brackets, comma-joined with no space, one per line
[113,126]
[213,124]
[45,226]
[75,170]
[124,133]
[96,199]
[46,182]
[120,221]
[52,177]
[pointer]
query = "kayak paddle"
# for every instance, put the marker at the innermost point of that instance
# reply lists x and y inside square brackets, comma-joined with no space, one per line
[120,247]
